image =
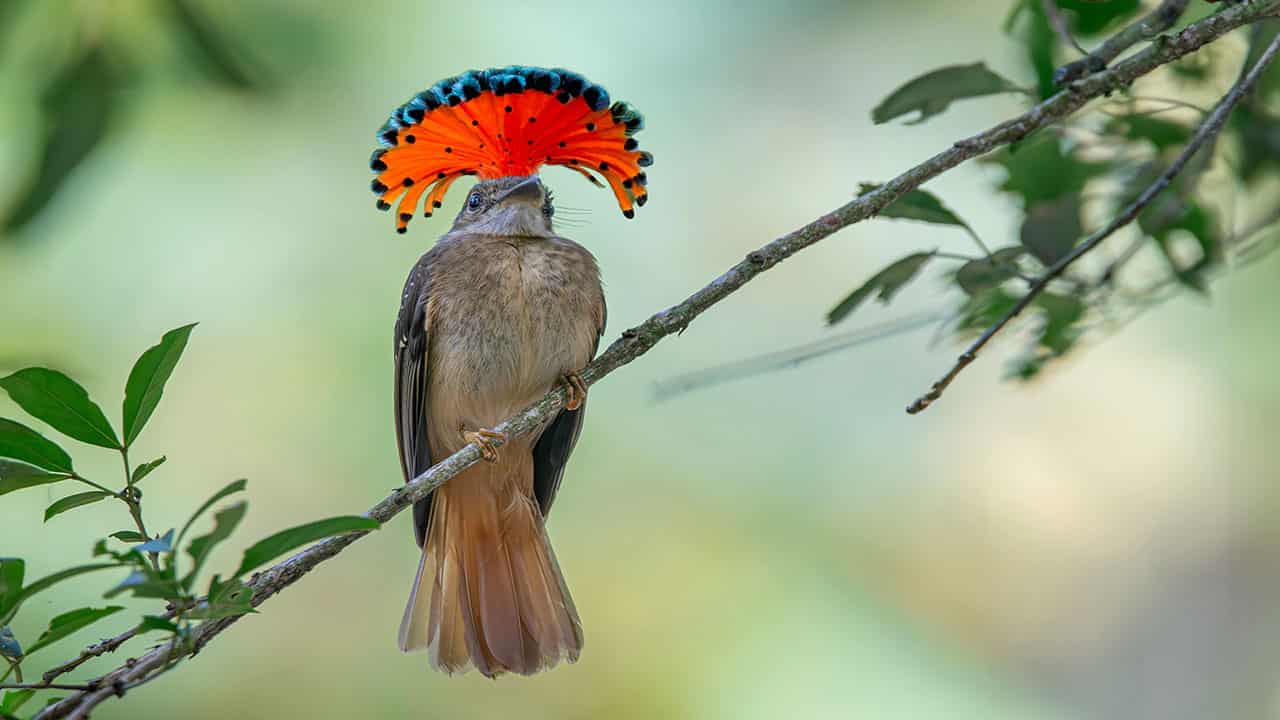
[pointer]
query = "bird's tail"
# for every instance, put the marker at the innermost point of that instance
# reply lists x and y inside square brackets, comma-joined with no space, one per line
[489,592]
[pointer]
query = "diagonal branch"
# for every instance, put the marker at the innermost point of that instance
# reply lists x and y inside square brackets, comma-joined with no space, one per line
[95,650]
[1207,131]
[640,339]
[44,686]
[791,357]
[1159,20]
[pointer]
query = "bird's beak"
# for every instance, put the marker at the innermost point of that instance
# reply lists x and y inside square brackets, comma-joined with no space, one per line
[529,191]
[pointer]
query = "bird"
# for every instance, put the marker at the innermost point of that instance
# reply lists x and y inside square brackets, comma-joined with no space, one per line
[501,310]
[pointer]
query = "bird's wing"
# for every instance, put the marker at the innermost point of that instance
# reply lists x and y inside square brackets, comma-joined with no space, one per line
[411,342]
[551,452]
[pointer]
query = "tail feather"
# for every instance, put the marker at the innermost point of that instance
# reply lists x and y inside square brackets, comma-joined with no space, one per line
[540,574]
[493,594]
[489,593]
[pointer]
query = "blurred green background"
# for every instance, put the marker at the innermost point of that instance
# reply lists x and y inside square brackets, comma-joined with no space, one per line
[1096,544]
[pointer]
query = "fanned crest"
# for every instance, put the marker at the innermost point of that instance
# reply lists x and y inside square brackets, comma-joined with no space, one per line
[507,122]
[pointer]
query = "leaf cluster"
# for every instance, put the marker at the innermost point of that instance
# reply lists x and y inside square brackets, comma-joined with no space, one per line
[167,566]
[1063,178]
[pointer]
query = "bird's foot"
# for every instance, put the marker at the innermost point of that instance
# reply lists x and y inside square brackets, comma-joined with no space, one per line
[484,439]
[575,390]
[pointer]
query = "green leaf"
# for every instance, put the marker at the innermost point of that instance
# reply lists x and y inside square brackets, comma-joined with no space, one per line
[1052,228]
[9,645]
[983,274]
[917,205]
[1259,130]
[146,381]
[11,574]
[1159,132]
[209,47]
[77,110]
[1193,69]
[142,584]
[71,502]
[19,442]
[145,469]
[985,309]
[155,622]
[1060,313]
[1039,170]
[230,489]
[14,699]
[933,92]
[69,622]
[58,400]
[225,600]
[1264,31]
[128,536]
[884,284]
[50,702]
[49,581]
[282,542]
[1201,224]
[1090,17]
[224,522]
[19,476]
[1039,40]
[158,545]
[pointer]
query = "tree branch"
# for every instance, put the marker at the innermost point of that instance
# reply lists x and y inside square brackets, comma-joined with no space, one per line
[93,651]
[1159,20]
[790,357]
[44,686]
[1207,131]
[640,339]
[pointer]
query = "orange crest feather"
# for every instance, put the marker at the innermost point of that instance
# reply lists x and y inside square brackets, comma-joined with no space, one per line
[507,122]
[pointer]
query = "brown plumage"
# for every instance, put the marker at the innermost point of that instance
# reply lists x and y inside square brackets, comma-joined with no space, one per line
[495,315]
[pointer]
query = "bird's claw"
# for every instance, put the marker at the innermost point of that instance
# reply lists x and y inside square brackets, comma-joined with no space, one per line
[484,440]
[575,390]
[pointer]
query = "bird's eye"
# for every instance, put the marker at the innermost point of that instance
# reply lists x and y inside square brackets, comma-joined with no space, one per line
[473,202]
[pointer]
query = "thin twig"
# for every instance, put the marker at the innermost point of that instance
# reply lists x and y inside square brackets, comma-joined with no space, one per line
[1159,20]
[93,651]
[1059,24]
[639,340]
[47,686]
[1208,130]
[1241,248]
[789,358]
[1176,102]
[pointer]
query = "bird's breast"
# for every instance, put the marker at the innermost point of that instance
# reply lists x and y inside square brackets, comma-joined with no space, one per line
[508,319]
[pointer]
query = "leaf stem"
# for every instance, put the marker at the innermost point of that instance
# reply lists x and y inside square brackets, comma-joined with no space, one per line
[981,245]
[128,472]
[130,498]
[90,483]
[958,256]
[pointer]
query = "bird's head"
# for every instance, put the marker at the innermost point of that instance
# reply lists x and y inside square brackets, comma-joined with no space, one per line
[507,207]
